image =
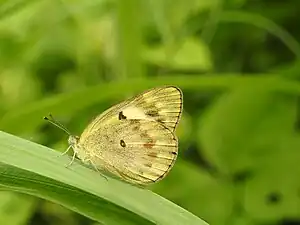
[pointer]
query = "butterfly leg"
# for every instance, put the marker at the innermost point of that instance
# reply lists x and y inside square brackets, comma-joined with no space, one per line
[73,158]
[98,170]
[65,152]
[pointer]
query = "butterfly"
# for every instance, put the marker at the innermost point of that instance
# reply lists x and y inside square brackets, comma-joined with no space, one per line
[134,139]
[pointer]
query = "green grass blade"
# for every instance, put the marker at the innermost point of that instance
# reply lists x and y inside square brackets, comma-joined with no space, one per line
[30,116]
[37,170]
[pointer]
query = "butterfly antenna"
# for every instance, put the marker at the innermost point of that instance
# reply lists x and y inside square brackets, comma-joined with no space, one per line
[50,119]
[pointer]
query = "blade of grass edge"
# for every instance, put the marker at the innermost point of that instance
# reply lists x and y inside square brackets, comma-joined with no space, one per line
[43,162]
[67,103]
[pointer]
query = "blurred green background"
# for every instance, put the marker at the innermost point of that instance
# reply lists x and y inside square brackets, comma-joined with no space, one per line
[237,62]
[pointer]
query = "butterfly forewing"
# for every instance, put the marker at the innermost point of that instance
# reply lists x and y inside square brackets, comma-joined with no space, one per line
[163,105]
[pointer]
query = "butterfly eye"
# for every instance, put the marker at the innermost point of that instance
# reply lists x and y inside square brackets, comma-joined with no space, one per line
[122,143]
[121,116]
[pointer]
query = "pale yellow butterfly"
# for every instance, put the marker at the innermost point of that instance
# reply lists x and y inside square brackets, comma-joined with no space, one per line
[134,139]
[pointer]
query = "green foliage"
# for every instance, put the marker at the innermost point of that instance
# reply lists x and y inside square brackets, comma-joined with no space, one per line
[237,63]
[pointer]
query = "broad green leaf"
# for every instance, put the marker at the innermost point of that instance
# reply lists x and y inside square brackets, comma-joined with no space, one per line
[245,126]
[272,194]
[192,54]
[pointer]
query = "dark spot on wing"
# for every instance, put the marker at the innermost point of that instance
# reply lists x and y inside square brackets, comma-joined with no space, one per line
[159,120]
[135,124]
[152,113]
[121,116]
[136,128]
[149,144]
[122,143]
[149,141]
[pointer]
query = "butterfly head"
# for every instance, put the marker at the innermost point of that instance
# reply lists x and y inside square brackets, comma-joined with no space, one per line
[73,140]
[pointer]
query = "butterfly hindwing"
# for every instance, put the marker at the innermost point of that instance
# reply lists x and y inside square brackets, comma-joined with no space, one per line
[140,151]
[156,149]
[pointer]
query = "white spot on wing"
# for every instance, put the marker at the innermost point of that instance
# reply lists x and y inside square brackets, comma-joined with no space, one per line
[134,113]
